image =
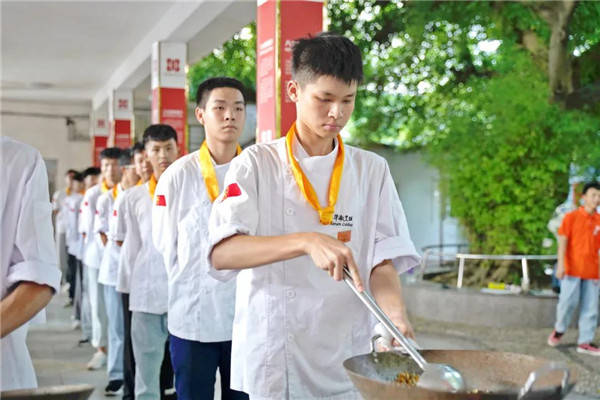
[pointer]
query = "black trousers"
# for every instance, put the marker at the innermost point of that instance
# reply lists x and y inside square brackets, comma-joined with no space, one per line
[128,359]
[71,274]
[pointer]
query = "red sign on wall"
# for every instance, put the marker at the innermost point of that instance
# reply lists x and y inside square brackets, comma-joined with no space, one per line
[122,130]
[275,110]
[169,107]
[99,145]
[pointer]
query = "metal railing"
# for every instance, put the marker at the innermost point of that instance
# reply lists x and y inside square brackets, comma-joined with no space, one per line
[523,257]
[436,252]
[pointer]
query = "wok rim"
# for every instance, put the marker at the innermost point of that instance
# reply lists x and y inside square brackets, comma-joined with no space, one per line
[547,389]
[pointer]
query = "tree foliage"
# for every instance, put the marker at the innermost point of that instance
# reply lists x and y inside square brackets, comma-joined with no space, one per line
[471,84]
[236,58]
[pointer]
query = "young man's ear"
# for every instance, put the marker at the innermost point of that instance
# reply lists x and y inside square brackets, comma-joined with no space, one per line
[293,87]
[199,115]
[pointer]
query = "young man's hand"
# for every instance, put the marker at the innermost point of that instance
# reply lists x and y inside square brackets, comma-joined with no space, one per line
[332,255]
[560,271]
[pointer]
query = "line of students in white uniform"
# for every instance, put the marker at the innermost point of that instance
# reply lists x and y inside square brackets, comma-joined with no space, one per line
[218,251]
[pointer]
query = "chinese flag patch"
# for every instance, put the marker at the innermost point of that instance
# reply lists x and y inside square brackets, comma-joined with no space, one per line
[233,190]
[161,201]
[344,236]
[114,213]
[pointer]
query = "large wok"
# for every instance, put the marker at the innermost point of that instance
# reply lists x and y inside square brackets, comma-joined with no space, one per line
[495,375]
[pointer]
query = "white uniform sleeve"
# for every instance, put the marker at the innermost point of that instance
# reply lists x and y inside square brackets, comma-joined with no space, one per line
[102,211]
[165,218]
[235,211]
[81,224]
[33,257]
[55,201]
[119,210]
[131,246]
[392,239]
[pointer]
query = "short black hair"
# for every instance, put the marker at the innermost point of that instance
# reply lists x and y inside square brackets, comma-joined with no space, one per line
[326,54]
[159,133]
[95,171]
[70,171]
[210,84]
[125,158]
[77,176]
[137,148]
[112,153]
[590,185]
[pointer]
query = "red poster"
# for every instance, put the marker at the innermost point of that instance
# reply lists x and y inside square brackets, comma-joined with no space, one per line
[122,129]
[275,38]
[265,71]
[173,111]
[291,30]
[99,144]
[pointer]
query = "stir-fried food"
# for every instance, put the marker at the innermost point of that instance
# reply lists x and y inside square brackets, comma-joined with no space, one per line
[406,378]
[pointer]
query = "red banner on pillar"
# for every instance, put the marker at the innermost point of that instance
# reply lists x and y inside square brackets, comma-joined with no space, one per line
[169,106]
[169,96]
[278,26]
[122,130]
[99,145]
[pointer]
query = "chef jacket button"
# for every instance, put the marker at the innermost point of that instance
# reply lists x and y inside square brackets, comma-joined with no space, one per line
[290,211]
[290,337]
[291,294]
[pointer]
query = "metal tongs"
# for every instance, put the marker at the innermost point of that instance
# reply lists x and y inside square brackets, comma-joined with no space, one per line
[441,377]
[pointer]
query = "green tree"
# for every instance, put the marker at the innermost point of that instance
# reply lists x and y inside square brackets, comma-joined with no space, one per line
[502,96]
[235,58]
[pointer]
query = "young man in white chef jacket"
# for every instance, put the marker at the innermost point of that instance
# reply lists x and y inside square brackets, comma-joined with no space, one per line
[143,169]
[201,308]
[293,213]
[93,250]
[148,277]
[106,226]
[30,273]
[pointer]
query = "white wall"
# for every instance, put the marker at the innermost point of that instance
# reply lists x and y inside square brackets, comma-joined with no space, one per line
[416,182]
[44,128]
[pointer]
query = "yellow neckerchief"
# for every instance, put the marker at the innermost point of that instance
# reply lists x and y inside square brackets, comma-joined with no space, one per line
[104,187]
[208,171]
[68,191]
[325,213]
[82,191]
[139,183]
[152,186]
[115,191]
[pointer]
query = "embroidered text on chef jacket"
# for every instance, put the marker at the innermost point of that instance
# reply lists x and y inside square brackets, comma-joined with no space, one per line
[200,307]
[294,325]
[27,247]
[148,280]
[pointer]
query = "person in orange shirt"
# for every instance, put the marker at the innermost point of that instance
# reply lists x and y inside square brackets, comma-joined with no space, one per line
[579,271]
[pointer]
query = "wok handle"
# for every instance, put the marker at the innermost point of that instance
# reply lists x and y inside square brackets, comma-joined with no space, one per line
[368,301]
[544,370]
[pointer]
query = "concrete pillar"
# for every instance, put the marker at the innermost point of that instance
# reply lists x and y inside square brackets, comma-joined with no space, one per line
[99,132]
[278,24]
[169,89]
[121,118]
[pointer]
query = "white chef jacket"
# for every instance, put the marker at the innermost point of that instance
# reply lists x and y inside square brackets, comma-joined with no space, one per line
[92,247]
[148,280]
[28,251]
[73,237]
[119,234]
[58,204]
[294,325]
[110,257]
[200,307]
